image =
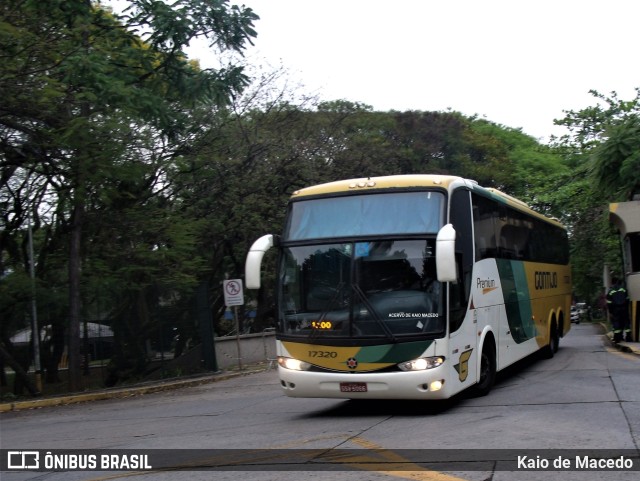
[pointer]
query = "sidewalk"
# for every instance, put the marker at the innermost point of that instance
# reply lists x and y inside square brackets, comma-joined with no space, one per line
[128,391]
[624,346]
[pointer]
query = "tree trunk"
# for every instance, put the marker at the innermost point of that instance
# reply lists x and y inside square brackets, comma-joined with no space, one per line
[20,372]
[56,349]
[75,269]
[75,248]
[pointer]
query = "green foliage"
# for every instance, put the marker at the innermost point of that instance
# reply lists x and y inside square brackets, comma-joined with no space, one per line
[587,126]
[15,297]
[602,148]
[519,164]
[95,108]
[616,161]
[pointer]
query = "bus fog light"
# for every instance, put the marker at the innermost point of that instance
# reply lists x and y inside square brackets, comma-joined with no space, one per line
[293,364]
[421,364]
[436,385]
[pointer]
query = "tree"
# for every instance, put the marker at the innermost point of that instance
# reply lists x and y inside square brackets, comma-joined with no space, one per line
[81,86]
[235,180]
[602,150]
[588,126]
[616,161]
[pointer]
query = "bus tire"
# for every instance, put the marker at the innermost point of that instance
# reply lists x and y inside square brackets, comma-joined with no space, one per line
[550,349]
[487,369]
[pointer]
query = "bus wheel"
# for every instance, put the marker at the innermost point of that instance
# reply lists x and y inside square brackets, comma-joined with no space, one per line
[487,369]
[554,340]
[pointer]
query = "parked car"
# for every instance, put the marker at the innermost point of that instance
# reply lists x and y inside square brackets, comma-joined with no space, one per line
[583,309]
[575,315]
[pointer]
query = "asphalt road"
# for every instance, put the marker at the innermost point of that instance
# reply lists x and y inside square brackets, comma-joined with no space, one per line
[587,397]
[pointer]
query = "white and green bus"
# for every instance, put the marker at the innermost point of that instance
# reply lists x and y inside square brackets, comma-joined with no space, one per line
[412,287]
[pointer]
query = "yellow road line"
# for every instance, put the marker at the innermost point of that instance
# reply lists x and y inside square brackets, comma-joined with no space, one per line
[377,460]
[419,473]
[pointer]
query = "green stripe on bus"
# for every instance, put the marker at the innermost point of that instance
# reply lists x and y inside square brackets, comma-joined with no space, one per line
[515,290]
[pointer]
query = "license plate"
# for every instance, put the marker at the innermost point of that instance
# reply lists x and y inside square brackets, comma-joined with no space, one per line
[353,387]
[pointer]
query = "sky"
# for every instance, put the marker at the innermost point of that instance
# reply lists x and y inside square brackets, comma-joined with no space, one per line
[519,63]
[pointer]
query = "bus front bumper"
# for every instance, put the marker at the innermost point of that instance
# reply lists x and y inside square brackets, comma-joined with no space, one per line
[429,384]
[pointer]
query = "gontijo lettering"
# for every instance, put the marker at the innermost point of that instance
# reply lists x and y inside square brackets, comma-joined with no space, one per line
[545,280]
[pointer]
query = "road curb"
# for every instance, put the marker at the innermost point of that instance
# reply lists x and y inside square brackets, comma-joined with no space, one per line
[624,346]
[630,347]
[122,392]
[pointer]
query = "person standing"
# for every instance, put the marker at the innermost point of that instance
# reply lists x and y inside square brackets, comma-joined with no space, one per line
[618,306]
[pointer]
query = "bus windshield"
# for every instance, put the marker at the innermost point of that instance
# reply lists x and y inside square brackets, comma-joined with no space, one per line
[393,213]
[373,289]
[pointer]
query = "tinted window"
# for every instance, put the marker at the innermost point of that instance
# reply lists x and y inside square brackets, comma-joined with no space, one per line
[376,289]
[364,215]
[461,219]
[506,233]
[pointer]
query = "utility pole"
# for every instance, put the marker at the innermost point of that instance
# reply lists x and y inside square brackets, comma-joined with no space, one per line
[35,332]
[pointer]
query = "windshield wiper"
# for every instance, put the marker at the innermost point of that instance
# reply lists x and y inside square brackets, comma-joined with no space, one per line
[374,314]
[314,332]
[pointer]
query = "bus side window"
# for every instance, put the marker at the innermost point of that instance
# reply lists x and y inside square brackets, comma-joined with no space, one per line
[485,215]
[459,293]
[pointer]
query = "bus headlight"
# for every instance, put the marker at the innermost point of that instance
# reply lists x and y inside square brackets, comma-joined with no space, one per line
[421,364]
[293,364]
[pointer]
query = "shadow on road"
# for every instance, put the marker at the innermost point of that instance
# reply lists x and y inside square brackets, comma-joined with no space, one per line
[390,407]
[383,407]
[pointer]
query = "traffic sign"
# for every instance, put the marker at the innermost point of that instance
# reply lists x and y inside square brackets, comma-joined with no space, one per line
[233,293]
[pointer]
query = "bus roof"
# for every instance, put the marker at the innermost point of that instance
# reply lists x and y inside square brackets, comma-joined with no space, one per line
[388,182]
[412,181]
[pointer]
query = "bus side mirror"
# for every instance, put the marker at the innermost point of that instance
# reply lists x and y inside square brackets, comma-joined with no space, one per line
[254,261]
[446,254]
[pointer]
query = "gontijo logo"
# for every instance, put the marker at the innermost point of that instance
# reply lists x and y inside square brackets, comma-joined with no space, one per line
[545,280]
